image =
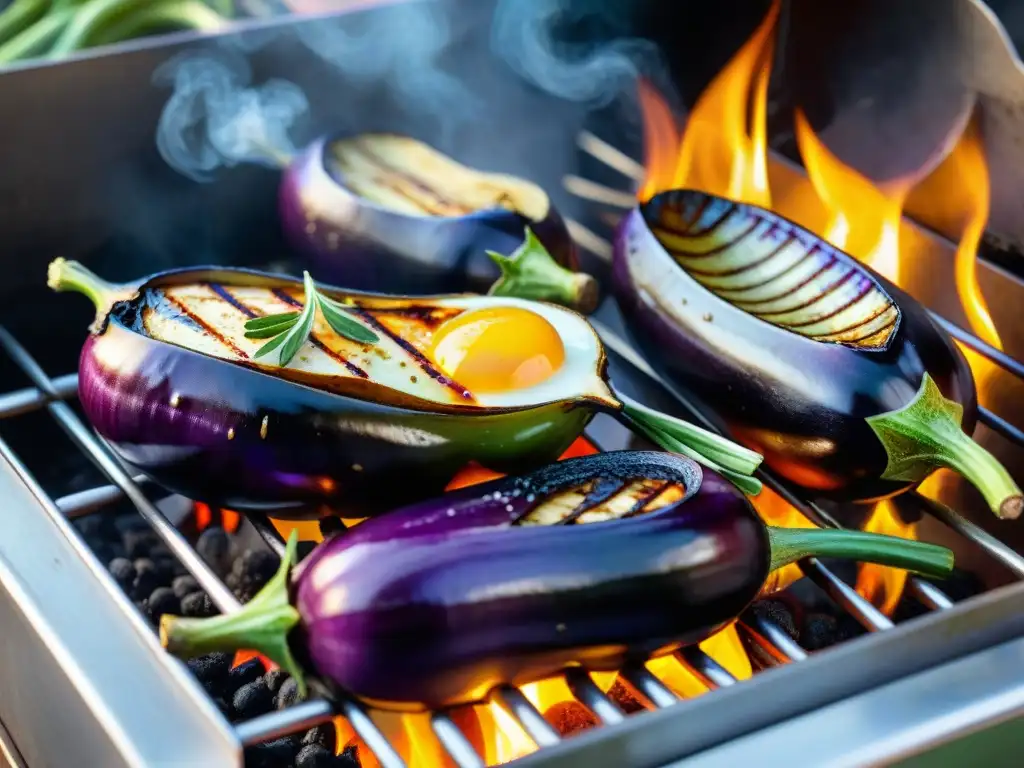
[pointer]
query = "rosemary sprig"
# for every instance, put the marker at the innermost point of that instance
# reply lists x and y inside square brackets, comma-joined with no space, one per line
[290,330]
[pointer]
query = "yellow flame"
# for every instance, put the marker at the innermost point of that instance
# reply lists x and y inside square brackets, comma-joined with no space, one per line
[884,586]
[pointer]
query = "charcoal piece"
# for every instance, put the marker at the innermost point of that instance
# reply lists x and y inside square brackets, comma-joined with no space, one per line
[184,585]
[210,668]
[848,628]
[131,523]
[777,612]
[147,578]
[247,672]
[288,694]
[252,700]
[274,679]
[325,736]
[92,527]
[569,716]
[224,706]
[819,631]
[138,543]
[624,697]
[331,525]
[304,548]
[251,572]
[123,572]
[272,754]
[214,546]
[349,758]
[163,600]
[314,756]
[198,605]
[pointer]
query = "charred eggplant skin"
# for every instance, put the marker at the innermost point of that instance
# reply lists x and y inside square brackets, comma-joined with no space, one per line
[799,401]
[357,243]
[432,618]
[223,433]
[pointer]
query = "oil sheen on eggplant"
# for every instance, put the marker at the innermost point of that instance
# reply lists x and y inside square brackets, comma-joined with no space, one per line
[169,380]
[383,212]
[598,561]
[791,345]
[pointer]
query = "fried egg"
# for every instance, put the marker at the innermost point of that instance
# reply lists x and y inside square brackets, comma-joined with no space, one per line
[468,351]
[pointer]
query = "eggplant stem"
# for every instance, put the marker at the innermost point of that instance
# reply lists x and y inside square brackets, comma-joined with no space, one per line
[789,545]
[262,625]
[179,14]
[532,273]
[19,16]
[715,452]
[63,275]
[34,40]
[927,434]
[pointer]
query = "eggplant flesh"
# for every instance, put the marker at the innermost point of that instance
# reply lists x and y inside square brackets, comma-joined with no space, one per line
[388,213]
[232,433]
[786,342]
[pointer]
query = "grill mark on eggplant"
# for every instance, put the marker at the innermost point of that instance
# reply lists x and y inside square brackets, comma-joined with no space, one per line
[248,311]
[834,301]
[184,311]
[642,503]
[752,265]
[387,168]
[603,489]
[425,365]
[432,317]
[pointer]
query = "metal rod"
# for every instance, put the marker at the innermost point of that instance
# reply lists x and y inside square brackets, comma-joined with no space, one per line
[772,638]
[83,503]
[598,193]
[707,670]
[845,596]
[274,725]
[997,423]
[999,551]
[455,742]
[983,348]
[30,399]
[929,595]
[593,698]
[614,158]
[519,707]
[268,533]
[647,688]
[370,734]
[588,239]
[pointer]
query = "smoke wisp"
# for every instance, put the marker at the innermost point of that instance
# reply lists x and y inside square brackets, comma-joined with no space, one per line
[215,119]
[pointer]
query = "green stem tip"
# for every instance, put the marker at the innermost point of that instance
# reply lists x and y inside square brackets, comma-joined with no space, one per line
[734,462]
[532,273]
[262,625]
[788,545]
[926,434]
[63,275]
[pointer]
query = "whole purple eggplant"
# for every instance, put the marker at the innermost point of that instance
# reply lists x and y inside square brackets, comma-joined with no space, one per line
[840,379]
[382,212]
[597,561]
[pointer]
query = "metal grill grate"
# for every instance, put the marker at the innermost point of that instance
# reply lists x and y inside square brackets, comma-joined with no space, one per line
[777,646]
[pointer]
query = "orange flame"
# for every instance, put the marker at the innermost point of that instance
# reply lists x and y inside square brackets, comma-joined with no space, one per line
[884,586]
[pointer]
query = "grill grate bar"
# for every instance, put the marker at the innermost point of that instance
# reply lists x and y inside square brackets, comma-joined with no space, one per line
[772,638]
[647,688]
[32,399]
[707,670]
[998,424]
[845,596]
[593,698]
[275,725]
[950,517]
[455,742]
[929,595]
[83,503]
[983,348]
[371,735]
[516,704]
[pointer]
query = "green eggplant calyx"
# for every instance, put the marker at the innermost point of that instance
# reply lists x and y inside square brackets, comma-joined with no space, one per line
[64,275]
[732,461]
[788,545]
[532,273]
[926,434]
[263,625]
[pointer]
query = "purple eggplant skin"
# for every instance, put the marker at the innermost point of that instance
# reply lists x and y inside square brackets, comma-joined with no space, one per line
[800,402]
[227,434]
[413,617]
[359,244]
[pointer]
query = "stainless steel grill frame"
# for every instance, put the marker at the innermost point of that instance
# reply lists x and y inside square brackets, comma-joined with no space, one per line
[74,637]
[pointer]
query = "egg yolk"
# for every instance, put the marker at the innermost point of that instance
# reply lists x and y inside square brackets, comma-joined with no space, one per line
[499,349]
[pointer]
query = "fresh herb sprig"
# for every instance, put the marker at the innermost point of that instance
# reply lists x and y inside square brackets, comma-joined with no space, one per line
[290,330]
